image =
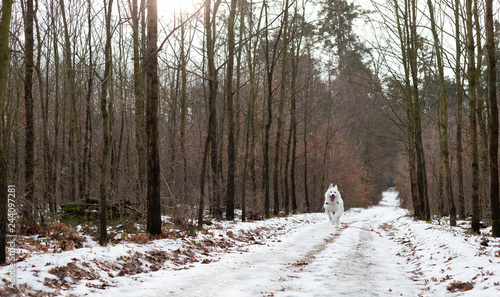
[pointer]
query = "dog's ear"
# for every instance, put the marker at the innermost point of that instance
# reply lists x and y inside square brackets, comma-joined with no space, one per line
[331,185]
[335,187]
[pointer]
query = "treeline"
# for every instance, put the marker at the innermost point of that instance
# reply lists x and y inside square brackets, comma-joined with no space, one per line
[240,104]
[444,97]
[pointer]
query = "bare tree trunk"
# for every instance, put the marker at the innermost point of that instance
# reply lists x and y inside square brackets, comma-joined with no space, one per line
[493,120]
[404,38]
[73,130]
[277,146]
[286,171]
[296,48]
[443,119]
[44,106]
[116,152]
[306,182]
[471,72]
[231,149]
[55,172]
[106,133]
[87,148]
[458,83]
[442,210]
[243,8]
[29,151]
[201,203]
[482,114]
[172,132]
[139,94]
[270,64]
[420,156]
[249,159]
[328,135]
[212,102]
[5,128]
[153,154]
[184,60]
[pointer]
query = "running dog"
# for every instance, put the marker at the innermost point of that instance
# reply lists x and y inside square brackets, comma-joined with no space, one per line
[334,205]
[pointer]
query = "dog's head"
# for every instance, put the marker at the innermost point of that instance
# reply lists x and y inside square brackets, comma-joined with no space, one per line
[332,192]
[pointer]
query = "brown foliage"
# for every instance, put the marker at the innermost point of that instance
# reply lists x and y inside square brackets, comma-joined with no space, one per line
[140,238]
[70,274]
[459,286]
[29,227]
[67,237]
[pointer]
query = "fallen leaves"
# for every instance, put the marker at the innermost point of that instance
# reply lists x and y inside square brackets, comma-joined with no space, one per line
[446,257]
[140,238]
[71,274]
[459,286]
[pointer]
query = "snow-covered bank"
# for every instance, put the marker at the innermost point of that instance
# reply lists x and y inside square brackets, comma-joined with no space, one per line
[447,259]
[301,255]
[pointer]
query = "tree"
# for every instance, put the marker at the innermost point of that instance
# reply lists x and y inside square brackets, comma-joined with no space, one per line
[153,154]
[87,148]
[443,117]
[280,119]
[338,21]
[183,63]
[306,189]
[251,54]
[271,57]
[29,159]
[212,83]
[403,36]
[5,126]
[74,133]
[493,120]
[139,101]
[106,134]
[458,85]
[231,149]
[296,51]
[414,44]
[211,136]
[471,76]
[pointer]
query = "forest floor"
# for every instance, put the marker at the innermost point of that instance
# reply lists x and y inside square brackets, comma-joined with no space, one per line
[381,251]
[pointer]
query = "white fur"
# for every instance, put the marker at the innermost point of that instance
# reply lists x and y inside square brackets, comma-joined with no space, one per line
[334,205]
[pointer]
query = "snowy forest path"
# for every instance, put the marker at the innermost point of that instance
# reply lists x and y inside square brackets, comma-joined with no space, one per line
[359,262]
[314,259]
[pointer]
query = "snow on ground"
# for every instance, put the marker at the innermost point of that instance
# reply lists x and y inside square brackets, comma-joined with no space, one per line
[380,252]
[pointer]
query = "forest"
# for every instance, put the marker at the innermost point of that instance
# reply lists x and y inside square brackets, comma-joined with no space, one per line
[135,109]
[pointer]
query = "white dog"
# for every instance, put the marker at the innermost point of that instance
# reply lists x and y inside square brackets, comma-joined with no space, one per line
[334,205]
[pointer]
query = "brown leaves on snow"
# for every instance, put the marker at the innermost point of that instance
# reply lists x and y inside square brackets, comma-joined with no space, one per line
[180,249]
[459,286]
[71,274]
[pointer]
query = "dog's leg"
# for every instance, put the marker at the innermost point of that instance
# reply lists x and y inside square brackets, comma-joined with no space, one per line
[332,218]
[329,215]
[336,219]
